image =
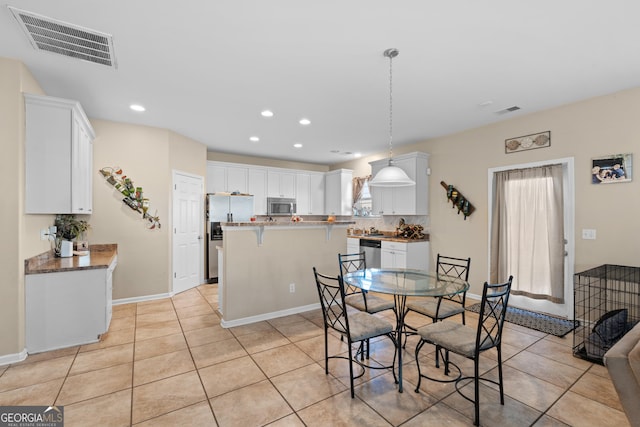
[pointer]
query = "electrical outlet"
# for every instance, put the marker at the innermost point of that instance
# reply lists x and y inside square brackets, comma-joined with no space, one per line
[588,234]
[44,234]
[292,287]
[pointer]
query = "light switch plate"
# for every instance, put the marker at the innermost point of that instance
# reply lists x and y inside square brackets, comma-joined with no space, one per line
[588,234]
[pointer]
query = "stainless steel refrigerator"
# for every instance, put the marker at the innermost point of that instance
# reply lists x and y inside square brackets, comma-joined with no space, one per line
[220,209]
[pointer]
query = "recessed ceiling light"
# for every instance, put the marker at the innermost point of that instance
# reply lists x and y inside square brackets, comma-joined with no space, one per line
[254,139]
[267,113]
[137,107]
[305,122]
[357,155]
[298,145]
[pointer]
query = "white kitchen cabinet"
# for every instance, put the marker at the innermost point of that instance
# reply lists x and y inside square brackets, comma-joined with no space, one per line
[281,183]
[67,308]
[310,193]
[405,255]
[353,245]
[58,156]
[339,192]
[403,200]
[317,190]
[227,178]
[258,188]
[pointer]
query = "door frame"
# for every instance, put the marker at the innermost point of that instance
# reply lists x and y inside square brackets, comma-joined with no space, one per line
[568,182]
[174,207]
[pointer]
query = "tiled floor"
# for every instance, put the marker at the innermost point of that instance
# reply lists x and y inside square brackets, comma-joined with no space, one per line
[169,362]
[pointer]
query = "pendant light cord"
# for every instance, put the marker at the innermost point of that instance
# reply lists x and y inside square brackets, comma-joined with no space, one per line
[390,110]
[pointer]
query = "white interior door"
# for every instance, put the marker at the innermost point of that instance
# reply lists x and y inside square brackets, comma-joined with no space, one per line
[188,244]
[565,309]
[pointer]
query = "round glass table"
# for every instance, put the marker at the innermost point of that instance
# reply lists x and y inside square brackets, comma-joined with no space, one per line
[401,283]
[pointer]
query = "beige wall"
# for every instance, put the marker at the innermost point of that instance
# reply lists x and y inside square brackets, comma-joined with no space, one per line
[148,156]
[21,237]
[593,128]
[261,161]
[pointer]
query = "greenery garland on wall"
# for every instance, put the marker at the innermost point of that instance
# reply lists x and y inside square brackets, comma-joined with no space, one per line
[132,194]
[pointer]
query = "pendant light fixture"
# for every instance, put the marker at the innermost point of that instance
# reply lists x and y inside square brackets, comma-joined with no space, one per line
[391,176]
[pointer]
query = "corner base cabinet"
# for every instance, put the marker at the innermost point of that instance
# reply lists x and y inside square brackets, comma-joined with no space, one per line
[67,308]
[58,157]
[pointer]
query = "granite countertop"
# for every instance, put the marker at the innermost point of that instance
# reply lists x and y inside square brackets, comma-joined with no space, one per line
[100,256]
[389,237]
[283,223]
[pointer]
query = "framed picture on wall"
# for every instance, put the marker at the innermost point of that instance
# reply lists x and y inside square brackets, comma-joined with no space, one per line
[611,169]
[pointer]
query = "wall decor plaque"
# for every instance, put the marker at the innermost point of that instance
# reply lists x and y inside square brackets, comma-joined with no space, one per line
[528,142]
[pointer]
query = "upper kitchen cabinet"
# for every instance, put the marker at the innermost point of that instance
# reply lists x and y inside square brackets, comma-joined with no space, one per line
[339,192]
[226,178]
[310,193]
[281,183]
[403,200]
[258,188]
[58,157]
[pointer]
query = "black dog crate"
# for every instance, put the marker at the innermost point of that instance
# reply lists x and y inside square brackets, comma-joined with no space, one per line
[606,306]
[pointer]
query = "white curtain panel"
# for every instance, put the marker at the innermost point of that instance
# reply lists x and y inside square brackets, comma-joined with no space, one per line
[528,233]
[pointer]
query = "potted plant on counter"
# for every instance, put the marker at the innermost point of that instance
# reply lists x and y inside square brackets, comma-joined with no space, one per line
[68,229]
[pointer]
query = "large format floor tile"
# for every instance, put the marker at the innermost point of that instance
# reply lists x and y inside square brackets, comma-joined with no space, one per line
[169,362]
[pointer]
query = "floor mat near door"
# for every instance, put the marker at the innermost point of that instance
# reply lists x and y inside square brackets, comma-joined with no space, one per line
[540,322]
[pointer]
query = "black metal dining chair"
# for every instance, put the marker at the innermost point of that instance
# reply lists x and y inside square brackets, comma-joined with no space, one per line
[355,296]
[440,308]
[357,327]
[470,342]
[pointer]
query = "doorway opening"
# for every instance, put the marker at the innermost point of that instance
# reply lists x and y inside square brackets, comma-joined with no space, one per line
[518,252]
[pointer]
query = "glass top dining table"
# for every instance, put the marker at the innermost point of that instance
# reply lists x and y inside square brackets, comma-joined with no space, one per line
[403,283]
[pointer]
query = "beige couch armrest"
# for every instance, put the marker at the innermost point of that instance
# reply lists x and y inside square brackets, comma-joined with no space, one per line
[623,372]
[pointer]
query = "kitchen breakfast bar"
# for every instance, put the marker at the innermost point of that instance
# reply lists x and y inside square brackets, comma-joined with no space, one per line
[267,267]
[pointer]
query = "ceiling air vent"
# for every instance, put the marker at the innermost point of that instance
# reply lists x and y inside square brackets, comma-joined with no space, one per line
[508,110]
[66,39]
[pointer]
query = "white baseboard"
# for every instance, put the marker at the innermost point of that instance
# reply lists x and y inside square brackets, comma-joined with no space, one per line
[141,299]
[267,316]
[8,359]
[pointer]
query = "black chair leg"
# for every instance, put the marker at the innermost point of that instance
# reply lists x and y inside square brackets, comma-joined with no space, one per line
[476,381]
[500,375]
[351,368]
[418,348]
[326,353]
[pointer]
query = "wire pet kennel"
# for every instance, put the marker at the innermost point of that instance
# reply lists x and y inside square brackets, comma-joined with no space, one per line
[607,305]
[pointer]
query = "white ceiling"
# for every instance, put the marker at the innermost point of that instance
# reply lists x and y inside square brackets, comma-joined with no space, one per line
[205,69]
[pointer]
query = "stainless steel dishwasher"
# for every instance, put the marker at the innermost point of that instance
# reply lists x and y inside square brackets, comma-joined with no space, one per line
[372,252]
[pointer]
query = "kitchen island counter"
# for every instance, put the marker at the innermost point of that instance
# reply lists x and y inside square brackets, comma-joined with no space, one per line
[267,267]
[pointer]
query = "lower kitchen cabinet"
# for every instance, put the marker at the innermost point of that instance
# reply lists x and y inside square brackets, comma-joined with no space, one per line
[353,245]
[405,255]
[67,308]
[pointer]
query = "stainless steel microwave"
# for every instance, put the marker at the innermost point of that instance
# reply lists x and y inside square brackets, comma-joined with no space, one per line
[281,206]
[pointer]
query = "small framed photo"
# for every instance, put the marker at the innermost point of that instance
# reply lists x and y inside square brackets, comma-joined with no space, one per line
[611,169]
[528,142]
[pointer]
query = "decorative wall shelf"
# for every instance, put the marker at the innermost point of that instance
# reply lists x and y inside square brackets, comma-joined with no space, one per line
[458,200]
[132,194]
